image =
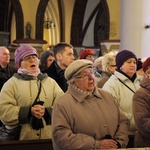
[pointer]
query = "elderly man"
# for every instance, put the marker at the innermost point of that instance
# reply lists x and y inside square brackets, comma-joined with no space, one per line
[6,71]
[87,117]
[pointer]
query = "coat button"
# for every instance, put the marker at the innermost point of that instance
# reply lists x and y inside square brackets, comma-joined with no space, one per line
[105,126]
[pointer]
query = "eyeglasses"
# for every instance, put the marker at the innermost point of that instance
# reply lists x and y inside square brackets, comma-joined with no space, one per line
[85,75]
[113,65]
[28,58]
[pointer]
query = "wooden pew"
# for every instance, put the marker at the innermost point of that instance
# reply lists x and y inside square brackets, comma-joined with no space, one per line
[27,145]
[39,145]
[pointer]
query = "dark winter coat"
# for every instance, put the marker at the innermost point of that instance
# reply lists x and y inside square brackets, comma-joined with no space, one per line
[55,72]
[5,74]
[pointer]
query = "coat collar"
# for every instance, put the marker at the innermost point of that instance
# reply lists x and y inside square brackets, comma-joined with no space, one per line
[145,83]
[3,68]
[80,95]
[123,77]
[29,77]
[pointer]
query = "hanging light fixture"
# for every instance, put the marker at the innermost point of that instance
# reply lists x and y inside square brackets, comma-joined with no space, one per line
[48,24]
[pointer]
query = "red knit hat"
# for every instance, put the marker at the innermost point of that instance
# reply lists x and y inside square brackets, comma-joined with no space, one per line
[86,52]
[146,64]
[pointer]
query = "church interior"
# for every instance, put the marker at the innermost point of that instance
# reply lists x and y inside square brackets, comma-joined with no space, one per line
[42,24]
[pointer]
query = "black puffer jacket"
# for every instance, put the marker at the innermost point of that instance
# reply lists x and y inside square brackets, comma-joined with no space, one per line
[55,72]
[5,74]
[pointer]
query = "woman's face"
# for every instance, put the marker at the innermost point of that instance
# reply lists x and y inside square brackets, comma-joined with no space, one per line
[30,63]
[49,60]
[90,57]
[85,80]
[129,67]
[112,68]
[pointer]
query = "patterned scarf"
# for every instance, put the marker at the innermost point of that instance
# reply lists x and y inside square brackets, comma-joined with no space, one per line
[24,71]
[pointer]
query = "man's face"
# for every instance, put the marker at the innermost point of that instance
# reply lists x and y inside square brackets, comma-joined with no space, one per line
[4,56]
[66,58]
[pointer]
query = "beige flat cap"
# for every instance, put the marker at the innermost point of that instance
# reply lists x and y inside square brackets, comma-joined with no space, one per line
[77,66]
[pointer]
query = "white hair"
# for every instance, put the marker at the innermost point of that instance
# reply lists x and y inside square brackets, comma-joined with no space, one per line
[98,61]
[108,60]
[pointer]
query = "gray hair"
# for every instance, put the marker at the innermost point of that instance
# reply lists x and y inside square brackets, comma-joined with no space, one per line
[70,81]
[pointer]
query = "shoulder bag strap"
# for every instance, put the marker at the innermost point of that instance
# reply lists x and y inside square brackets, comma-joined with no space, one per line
[124,84]
[37,94]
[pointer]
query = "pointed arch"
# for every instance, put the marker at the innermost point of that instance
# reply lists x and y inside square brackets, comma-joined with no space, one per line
[77,22]
[78,31]
[19,19]
[102,23]
[40,19]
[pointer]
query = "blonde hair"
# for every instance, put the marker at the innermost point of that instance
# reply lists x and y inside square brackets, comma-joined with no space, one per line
[108,60]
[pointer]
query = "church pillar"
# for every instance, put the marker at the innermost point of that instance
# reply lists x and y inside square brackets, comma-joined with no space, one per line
[135,26]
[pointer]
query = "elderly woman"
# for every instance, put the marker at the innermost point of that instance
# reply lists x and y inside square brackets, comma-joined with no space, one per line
[123,84]
[108,67]
[98,68]
[141,108]
[87,54]
[27,98]
[86,117]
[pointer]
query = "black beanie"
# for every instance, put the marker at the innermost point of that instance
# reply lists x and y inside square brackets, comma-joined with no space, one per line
[122,56]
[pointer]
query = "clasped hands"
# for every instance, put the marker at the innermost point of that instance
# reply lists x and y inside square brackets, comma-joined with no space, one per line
[38,111]
[108,144]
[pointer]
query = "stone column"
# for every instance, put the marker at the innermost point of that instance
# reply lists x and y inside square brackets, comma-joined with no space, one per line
[135,15]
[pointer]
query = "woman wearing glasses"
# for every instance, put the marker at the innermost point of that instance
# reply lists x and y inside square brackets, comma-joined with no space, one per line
[26,99]
[86,117]
[108,67]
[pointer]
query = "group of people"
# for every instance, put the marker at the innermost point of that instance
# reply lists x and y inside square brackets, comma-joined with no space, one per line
[79,103]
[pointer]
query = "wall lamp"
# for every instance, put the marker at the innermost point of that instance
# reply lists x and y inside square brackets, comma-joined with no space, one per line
[147,26]
[48,24]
